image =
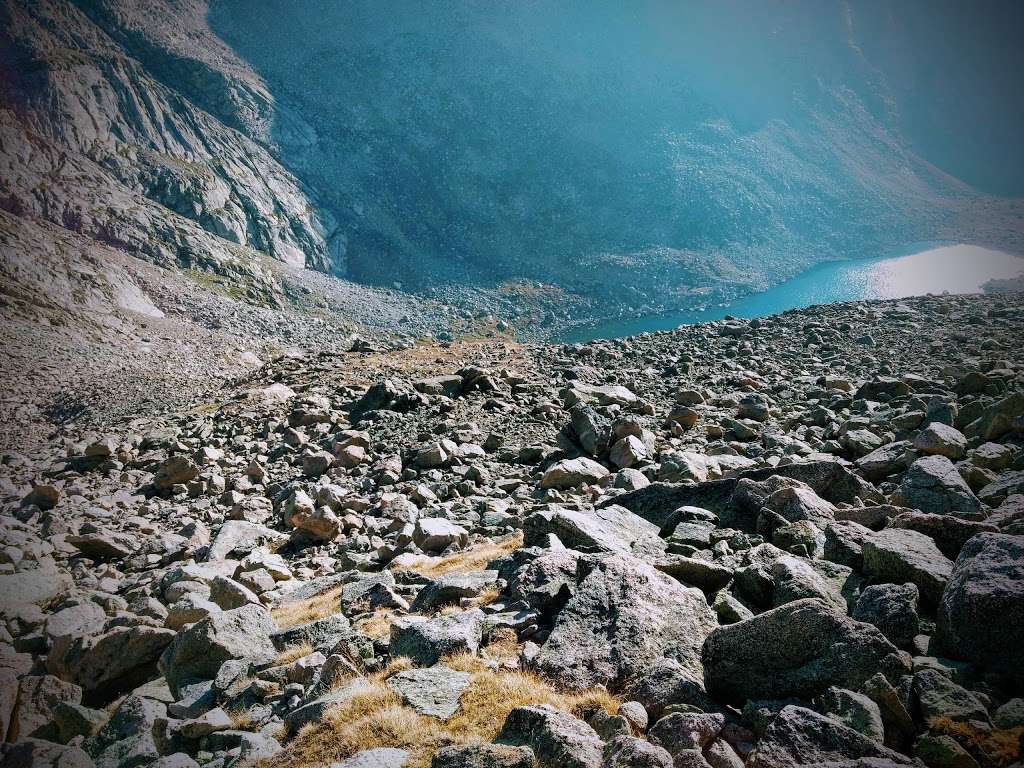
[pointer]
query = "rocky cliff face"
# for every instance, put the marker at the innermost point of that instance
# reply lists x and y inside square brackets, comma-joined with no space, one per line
[132,124]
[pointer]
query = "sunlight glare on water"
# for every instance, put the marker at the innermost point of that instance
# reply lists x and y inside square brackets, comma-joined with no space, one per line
[954,268]
[950,268]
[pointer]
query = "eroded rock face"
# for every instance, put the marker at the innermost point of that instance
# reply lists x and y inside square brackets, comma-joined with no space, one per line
[623,617]
[799,649]
[173,173]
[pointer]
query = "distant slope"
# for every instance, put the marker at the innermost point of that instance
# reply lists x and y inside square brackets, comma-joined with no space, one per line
[627,151]
[631,154]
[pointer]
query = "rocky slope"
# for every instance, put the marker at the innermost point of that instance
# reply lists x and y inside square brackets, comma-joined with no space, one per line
[791,541]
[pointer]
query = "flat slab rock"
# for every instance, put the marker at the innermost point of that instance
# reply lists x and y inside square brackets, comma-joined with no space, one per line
[382,757]
[434,691]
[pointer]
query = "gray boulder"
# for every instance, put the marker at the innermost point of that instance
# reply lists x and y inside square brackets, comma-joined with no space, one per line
[380,757]
[886,460]
[556,738]
[611,529]
[572,473]
[854,710]
[938,439]
[899,555]
[933,484]
[484,756]
[198,652]
[433,691]
[667,683]
[631,752]
[981,615]
[314,709]
[893,609]
[949,533]
[113,661]
[425,641]
[799,736]
[36,753]
[451,588]
[799,649]
[686,730]
[936,696]
[624,616]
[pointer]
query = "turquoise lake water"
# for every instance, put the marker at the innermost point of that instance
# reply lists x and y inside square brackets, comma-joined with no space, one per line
[948,268]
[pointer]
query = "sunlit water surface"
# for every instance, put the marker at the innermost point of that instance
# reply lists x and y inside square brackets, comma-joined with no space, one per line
[949,269]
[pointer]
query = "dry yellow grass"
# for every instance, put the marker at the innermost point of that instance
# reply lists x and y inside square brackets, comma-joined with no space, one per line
[502,646]
[998,746]
[293,614]
[472,559]
[293,653]
[376,625]
[488,596]
[378,718]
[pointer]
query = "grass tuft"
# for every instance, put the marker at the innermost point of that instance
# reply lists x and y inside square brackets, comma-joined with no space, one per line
[472,559]
[997,747]
[293,653]
[376,625]
[299,612]
[377,718]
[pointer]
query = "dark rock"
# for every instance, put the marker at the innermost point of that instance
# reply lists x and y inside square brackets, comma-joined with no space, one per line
[799,649]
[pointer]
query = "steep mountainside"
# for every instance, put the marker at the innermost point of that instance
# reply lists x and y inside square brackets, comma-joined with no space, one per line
[626,151]
[627,154]
[104,130]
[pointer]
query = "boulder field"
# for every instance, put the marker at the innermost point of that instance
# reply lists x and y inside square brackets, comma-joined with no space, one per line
[790,541]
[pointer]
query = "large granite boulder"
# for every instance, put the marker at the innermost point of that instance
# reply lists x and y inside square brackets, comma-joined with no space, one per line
[799,649]
[556,737]
[198,652]
[624,616]
[611,529]
[425,640]
[900,555]
[933,484]
[981,614]
[799,736]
